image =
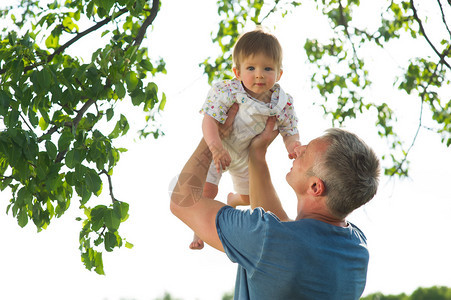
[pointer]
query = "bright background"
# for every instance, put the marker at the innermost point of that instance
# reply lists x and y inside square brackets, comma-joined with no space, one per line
[406,224]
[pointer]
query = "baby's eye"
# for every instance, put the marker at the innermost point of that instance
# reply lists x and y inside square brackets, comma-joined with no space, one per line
[268,69]
[251,68]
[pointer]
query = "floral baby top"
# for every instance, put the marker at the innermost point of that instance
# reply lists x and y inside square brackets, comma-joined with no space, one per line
[252,114]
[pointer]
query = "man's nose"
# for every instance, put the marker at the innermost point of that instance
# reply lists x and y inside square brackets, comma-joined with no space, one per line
[299,150]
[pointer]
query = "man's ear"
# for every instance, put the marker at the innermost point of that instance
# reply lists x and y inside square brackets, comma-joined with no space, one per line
[236,72]
[317,186]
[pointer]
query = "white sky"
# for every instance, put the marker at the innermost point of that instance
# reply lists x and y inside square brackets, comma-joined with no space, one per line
[405,224]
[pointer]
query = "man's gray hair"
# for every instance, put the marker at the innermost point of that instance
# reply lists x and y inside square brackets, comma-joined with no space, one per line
[350,170]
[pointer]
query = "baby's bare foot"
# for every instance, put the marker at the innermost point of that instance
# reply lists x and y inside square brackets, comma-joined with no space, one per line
[235,200]
[196,244]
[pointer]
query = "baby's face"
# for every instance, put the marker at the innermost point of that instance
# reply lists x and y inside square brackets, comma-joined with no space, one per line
[258,73]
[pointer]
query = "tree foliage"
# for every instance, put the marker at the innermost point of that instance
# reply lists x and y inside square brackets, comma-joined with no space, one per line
[432,293]
[341,74]
[58,112]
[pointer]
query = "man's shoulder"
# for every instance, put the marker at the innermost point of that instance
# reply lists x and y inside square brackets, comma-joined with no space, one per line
[255,216]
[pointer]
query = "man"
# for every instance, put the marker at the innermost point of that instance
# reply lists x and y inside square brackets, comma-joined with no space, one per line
[317,256]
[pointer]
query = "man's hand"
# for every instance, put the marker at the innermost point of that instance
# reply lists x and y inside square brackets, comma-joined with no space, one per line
[226,128]
[260,143]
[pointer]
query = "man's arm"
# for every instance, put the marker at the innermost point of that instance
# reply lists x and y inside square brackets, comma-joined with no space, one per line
[187,202]
[261,189]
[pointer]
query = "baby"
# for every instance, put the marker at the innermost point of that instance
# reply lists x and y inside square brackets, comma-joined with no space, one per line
[257,58]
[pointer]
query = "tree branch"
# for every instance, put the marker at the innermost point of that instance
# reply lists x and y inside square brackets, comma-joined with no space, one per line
[72,41]
[110,185]
[149,20]
[74,124]
[443,17]
[345,24]
[440,55]
[84,33]
[422,95]
[270,12]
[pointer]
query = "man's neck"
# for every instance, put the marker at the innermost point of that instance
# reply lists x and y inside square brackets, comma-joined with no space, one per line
[323,217]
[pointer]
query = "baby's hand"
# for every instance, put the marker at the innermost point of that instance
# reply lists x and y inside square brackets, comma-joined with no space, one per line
[221,158]
[291,153]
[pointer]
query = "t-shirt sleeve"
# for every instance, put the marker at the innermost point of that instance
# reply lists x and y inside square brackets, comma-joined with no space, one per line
[242,233]
[287,119]
[218,102]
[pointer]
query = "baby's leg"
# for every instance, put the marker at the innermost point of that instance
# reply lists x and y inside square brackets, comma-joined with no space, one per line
[240,179]
[210,191]
[235,200]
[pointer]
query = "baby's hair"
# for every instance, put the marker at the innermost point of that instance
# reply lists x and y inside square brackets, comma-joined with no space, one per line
[257,42]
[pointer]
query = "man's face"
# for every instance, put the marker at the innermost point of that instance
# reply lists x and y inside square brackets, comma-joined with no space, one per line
[298,176]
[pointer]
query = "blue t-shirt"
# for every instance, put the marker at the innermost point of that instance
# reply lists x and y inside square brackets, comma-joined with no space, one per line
[306,259]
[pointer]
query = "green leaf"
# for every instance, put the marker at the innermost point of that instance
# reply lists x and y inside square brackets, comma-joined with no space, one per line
[40,216]
[74,157]
[121,128]
[97,217]
[4,184]
[121,210]
[69,24]
[52,42]
[146,64]
[44,114]
[132,80]
[23,197]
[90,9]
[138,97]
[109,114]
[22,218]
[12,118]
[120,90]
[70,178]
[34,119]
[110,241]
[65,140]
[92,74]
[15,154]
[128,245]
[98,262]
[52,151]
[5,99]
[42,168]
[105,33]
[12,36]
[83,192]
[162,102]
[112,220]
[98,241]
[30,150]
[93,181]
[70,159]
